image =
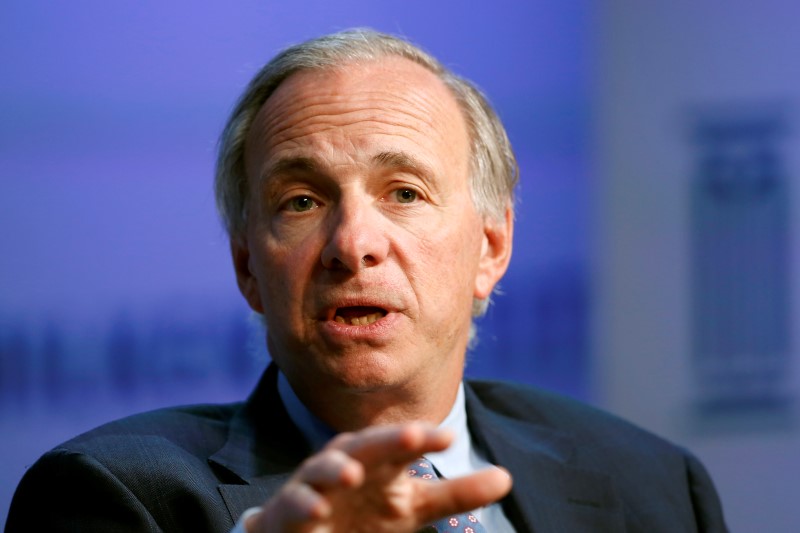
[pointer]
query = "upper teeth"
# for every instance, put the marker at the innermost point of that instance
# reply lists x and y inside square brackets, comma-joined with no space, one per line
[358,320]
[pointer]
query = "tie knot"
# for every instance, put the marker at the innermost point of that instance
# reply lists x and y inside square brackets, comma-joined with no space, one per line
[422,468]
[458,523]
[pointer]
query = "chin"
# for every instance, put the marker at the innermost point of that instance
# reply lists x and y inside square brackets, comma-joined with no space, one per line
[367,374]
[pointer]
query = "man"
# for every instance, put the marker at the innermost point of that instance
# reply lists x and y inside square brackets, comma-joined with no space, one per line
[368,196]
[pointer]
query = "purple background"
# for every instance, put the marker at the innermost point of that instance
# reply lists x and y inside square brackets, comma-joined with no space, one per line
[116,292]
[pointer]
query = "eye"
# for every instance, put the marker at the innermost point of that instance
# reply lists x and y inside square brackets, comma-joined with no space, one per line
[406,196]
[302,203]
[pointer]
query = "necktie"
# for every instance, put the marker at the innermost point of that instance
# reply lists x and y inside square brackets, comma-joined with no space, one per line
[460,523]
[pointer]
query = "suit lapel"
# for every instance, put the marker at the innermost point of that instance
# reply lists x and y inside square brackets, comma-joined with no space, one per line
[549,494]
[239,498]
[263,448]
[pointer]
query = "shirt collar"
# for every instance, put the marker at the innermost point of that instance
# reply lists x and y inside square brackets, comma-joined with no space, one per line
[316,432]
[459,459]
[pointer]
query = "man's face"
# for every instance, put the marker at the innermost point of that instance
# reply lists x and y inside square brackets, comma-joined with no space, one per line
[363,247]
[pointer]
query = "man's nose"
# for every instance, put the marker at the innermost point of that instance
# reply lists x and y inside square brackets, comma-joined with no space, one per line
[357,237]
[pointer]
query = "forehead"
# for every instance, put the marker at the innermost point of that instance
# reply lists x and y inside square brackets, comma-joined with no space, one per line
[356,107]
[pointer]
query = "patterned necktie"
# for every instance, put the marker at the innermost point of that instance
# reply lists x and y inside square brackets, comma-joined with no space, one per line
[460,523]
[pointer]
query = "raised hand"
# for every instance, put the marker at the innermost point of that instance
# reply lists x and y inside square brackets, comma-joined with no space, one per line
[359,483]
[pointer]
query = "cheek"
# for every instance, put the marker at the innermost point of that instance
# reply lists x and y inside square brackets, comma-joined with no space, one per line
[450,261]
[285,270]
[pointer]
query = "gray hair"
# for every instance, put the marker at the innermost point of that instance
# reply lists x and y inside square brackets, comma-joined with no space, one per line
[493,167]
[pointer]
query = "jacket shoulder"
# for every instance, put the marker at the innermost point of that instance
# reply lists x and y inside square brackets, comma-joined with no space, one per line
[189,426]
[559,413]
[146,472]
[657,482]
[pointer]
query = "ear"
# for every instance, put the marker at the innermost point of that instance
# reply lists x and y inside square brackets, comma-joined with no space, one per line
[495,253]
[248,284]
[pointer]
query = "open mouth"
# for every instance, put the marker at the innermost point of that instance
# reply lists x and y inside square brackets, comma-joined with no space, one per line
[358,315]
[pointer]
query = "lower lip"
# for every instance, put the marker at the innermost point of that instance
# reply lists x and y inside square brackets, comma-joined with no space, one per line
[377,330]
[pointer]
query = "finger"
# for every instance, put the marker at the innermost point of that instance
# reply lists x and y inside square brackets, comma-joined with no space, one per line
[296,506]
[302,500]
[458,495]
[330,469]
[396,444]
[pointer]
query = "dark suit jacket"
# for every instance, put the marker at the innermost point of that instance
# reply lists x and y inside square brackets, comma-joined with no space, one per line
[198,468]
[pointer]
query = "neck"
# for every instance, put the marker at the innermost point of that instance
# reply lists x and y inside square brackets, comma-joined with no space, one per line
[348,409]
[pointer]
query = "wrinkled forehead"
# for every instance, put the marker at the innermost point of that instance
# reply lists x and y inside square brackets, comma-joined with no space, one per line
[391,97]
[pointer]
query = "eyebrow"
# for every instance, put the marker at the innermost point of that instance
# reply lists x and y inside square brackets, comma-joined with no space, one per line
[291,164]
[402,161]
